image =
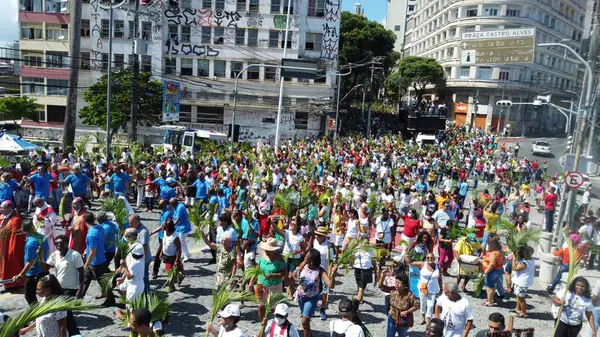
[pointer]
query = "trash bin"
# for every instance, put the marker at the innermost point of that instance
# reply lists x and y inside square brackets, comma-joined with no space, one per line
[546,242]
[548,267]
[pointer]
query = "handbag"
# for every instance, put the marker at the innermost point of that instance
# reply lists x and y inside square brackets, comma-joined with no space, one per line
[424,289]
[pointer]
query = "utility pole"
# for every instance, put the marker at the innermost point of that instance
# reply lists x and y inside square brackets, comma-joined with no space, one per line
[280,105]
[135,95]
[592,54]
[109,80]
[71,109]
[376,61]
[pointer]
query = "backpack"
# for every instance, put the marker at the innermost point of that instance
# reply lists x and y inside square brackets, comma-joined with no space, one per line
[343,334]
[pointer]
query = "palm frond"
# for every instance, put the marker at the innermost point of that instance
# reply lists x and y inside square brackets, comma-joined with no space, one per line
[81,146]
[157,303]
[252,272]
[60,303]
[574,256]
[374,204]
[106,283]
[478,286]
[222,297]
[4,162]
[515,239]
[283,200]
[325,197]
[173,276]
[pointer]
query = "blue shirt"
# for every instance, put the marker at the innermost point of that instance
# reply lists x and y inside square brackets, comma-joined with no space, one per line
[167,192]
[226,190]
[248,234]
[41,184]
[464,187]
[7,190]
[183,226]
[202,187]
[164,216]
[421,187]
[160,182]
[111,233]
[223,203]
[95,239]
[78,182]
[31,246]
[120,182]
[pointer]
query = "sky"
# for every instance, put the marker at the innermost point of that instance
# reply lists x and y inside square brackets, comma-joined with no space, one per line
[374,10]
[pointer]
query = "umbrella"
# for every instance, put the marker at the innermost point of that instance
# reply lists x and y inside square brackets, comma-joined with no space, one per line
[12,143]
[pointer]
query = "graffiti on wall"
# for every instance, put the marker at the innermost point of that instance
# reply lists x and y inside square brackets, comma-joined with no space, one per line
[154,16]
[178,17]
[330,30]
[280,19]
[205,16]
[97,43]
[177,48]
[226,18]
[254,19]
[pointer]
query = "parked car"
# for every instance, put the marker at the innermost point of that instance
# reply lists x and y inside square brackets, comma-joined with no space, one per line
[587,182]
[540,147]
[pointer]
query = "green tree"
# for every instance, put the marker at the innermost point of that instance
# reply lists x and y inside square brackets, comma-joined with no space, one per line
[150,101]
[420,72]
[396,86]
[19,107]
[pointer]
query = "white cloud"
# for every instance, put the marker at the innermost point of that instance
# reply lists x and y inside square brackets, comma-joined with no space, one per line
[9,16]
[383,22]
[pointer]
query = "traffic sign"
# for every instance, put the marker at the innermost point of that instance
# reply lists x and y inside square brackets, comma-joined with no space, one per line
[498,47]
[574,179]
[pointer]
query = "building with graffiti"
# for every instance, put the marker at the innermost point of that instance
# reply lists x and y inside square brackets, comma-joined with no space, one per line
[205,44]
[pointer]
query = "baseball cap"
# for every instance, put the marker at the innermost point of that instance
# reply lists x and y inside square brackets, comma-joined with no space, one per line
[170,180]
[472,237]
[230,310]
[282,309]
[137,250]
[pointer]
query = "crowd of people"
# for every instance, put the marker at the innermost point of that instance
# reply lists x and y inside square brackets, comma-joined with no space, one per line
[397,212]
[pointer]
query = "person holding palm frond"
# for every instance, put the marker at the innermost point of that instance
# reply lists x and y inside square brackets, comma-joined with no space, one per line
[226,266]
[274,271]
[171,253]
[493,269]
[36,252]
[280,326]
[523,267]
[53,324]
[563,255]
[228,318]
[576,302]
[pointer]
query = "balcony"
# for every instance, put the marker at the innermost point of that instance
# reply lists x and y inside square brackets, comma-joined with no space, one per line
[419,120]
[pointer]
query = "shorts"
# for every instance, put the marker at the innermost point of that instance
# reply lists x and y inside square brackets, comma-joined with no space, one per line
[261,292]
[520,291]
[337,239]
[308,305]
[363,277]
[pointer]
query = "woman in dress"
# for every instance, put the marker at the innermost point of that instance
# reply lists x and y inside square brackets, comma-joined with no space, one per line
[576,302]
[353,228]
[53,324]
[402,305]
[430,284]
[337,233]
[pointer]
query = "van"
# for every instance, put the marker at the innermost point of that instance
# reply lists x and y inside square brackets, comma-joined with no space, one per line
[424,139]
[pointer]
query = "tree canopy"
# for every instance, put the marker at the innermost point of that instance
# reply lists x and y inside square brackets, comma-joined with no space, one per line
[150,101]
[419,72]
[19,107]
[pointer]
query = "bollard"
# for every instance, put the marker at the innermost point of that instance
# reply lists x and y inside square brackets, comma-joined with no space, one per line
[548,267]
[546,242]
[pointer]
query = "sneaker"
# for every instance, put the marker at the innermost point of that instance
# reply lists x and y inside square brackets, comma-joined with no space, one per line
[323,315]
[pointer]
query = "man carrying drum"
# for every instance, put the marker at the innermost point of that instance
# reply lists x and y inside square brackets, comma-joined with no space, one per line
[466,250]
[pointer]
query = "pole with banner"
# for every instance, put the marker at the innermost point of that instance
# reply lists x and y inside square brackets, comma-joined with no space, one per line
[171,99]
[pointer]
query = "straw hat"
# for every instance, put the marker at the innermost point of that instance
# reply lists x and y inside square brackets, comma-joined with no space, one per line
[321,231]
[269,245]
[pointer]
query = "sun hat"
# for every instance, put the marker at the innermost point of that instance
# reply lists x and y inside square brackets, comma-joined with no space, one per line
[270,245]
[321,231]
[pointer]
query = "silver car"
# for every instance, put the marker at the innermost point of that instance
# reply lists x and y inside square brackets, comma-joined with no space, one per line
[540,147]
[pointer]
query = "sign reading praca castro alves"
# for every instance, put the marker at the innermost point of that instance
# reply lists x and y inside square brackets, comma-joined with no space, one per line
[498,46]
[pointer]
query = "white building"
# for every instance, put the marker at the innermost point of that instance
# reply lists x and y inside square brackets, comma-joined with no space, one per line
[397,18]
[435,31]
[204,43]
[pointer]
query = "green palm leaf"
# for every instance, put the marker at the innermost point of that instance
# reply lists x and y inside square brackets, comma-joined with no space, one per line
[515,239]
[478,286]
[173,276]
[253,272]
[222,297]
[158,304]
[60,303]
[106,283]
[284,200]
[273,299]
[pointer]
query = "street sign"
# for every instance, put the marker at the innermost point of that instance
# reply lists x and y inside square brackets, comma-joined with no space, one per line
[330,124]
[574,179]
[498,46]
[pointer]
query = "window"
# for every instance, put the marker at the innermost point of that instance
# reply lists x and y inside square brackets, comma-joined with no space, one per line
[504,74]
[253,73]
[289,41]
[56,6]
[411,8]
[513,12]
[210,115]
[56,87]
[270,73]
[285,7]
[186,4]
[241,5]
[147,63]
[205,34]
[471,12]
[173,32]
[146,30]
[131,30]
[301,120]
[316,8]
[187,67]
[484,73]
[185,113]
[490,11]
[275,6]
[170,65]
[32,85]
[313,41]
[240,36]
[104,28]
[32,60]
[56,113]
[236,68]
[220,69]
[203,68]
[273,39]
[84,61]
[131,58]
[253,37]
[186,33]
[85,28]
[219,34]
[207,4]
[57,31]
[119,62]
[464,72]
[397,28]
[105,61]
[31,31]
[32,5]
[254,6]
[219,5]
[57,59]
[119,29]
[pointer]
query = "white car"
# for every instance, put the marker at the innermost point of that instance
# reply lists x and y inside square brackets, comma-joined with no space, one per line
[540,147]
[587,183]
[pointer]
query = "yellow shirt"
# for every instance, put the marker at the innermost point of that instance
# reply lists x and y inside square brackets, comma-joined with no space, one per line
[492,221]
[462,247]
[525,189]
[441,200]
[338,224]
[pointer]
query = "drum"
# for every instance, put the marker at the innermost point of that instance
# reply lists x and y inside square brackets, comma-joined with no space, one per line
[469,266]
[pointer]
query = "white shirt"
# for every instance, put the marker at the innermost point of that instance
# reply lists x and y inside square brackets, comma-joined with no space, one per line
[363,259]
[596,292]
[292,243]
[385,228]
[322,248]
[455,315]
[524,277]
[586,197]
[346,327]
[431,278]
[352,230]
[65,268]
[237,332]
[575,307]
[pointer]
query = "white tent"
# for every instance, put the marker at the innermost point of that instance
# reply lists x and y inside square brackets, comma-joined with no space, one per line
[12,143]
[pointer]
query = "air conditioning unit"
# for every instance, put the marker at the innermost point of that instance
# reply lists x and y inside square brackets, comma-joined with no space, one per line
[141,47]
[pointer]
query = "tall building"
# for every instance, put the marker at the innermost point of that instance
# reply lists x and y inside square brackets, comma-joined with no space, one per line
[435,31]
[204,44]
[44,46]
[397,18]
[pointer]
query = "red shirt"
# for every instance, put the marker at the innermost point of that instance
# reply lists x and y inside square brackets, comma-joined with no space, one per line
[534,165]
[411,227]
[550,200]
